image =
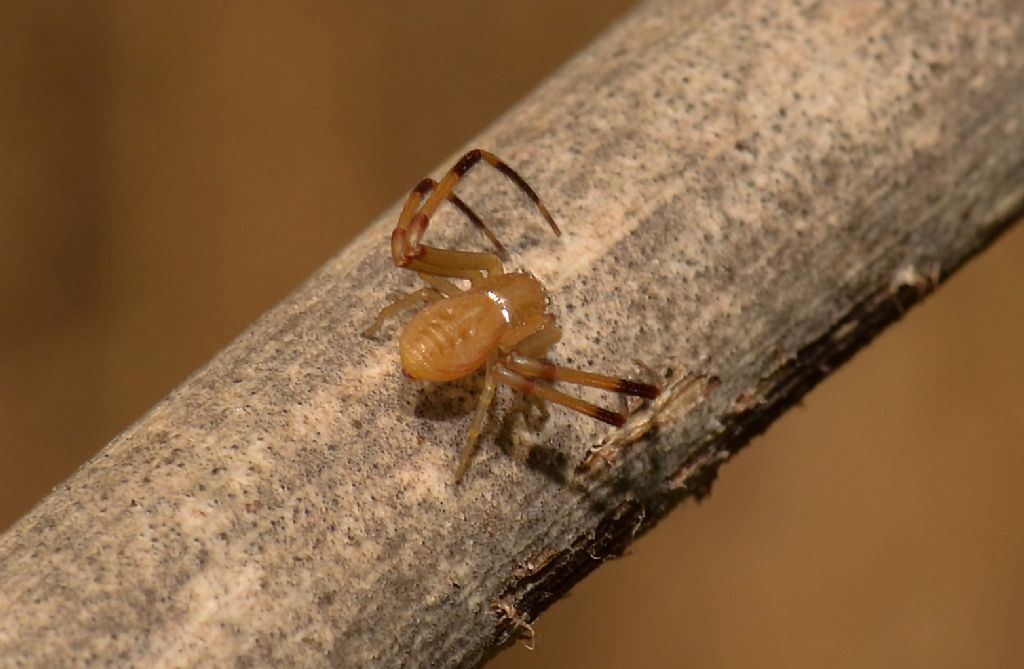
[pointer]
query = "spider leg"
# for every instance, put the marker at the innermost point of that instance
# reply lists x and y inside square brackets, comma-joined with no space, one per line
[412,202]
[477,222]
[460,264]
[534,337]
[528,386]
[464,165]
[405,238]
[422,295]
[477,426]
[543,369]
[414,219]
[443,286]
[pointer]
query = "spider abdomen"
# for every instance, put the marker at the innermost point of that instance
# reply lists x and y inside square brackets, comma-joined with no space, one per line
[452,338]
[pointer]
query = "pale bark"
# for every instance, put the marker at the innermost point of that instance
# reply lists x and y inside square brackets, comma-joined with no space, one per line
[748,191]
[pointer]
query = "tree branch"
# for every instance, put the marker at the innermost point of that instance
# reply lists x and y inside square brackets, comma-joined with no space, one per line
[749,193]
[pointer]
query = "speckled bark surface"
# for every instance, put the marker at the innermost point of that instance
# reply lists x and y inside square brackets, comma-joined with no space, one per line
[747,189]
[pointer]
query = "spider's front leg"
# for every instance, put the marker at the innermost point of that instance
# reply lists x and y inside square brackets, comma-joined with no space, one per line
[407,249]
[405,239]
[414,219]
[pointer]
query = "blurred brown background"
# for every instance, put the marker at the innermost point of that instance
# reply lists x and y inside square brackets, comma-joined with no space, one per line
[168,171]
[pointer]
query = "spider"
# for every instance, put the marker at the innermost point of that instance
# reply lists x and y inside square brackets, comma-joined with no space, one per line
[499,321]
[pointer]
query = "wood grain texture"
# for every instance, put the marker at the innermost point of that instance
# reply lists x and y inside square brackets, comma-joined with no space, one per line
[746,190]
